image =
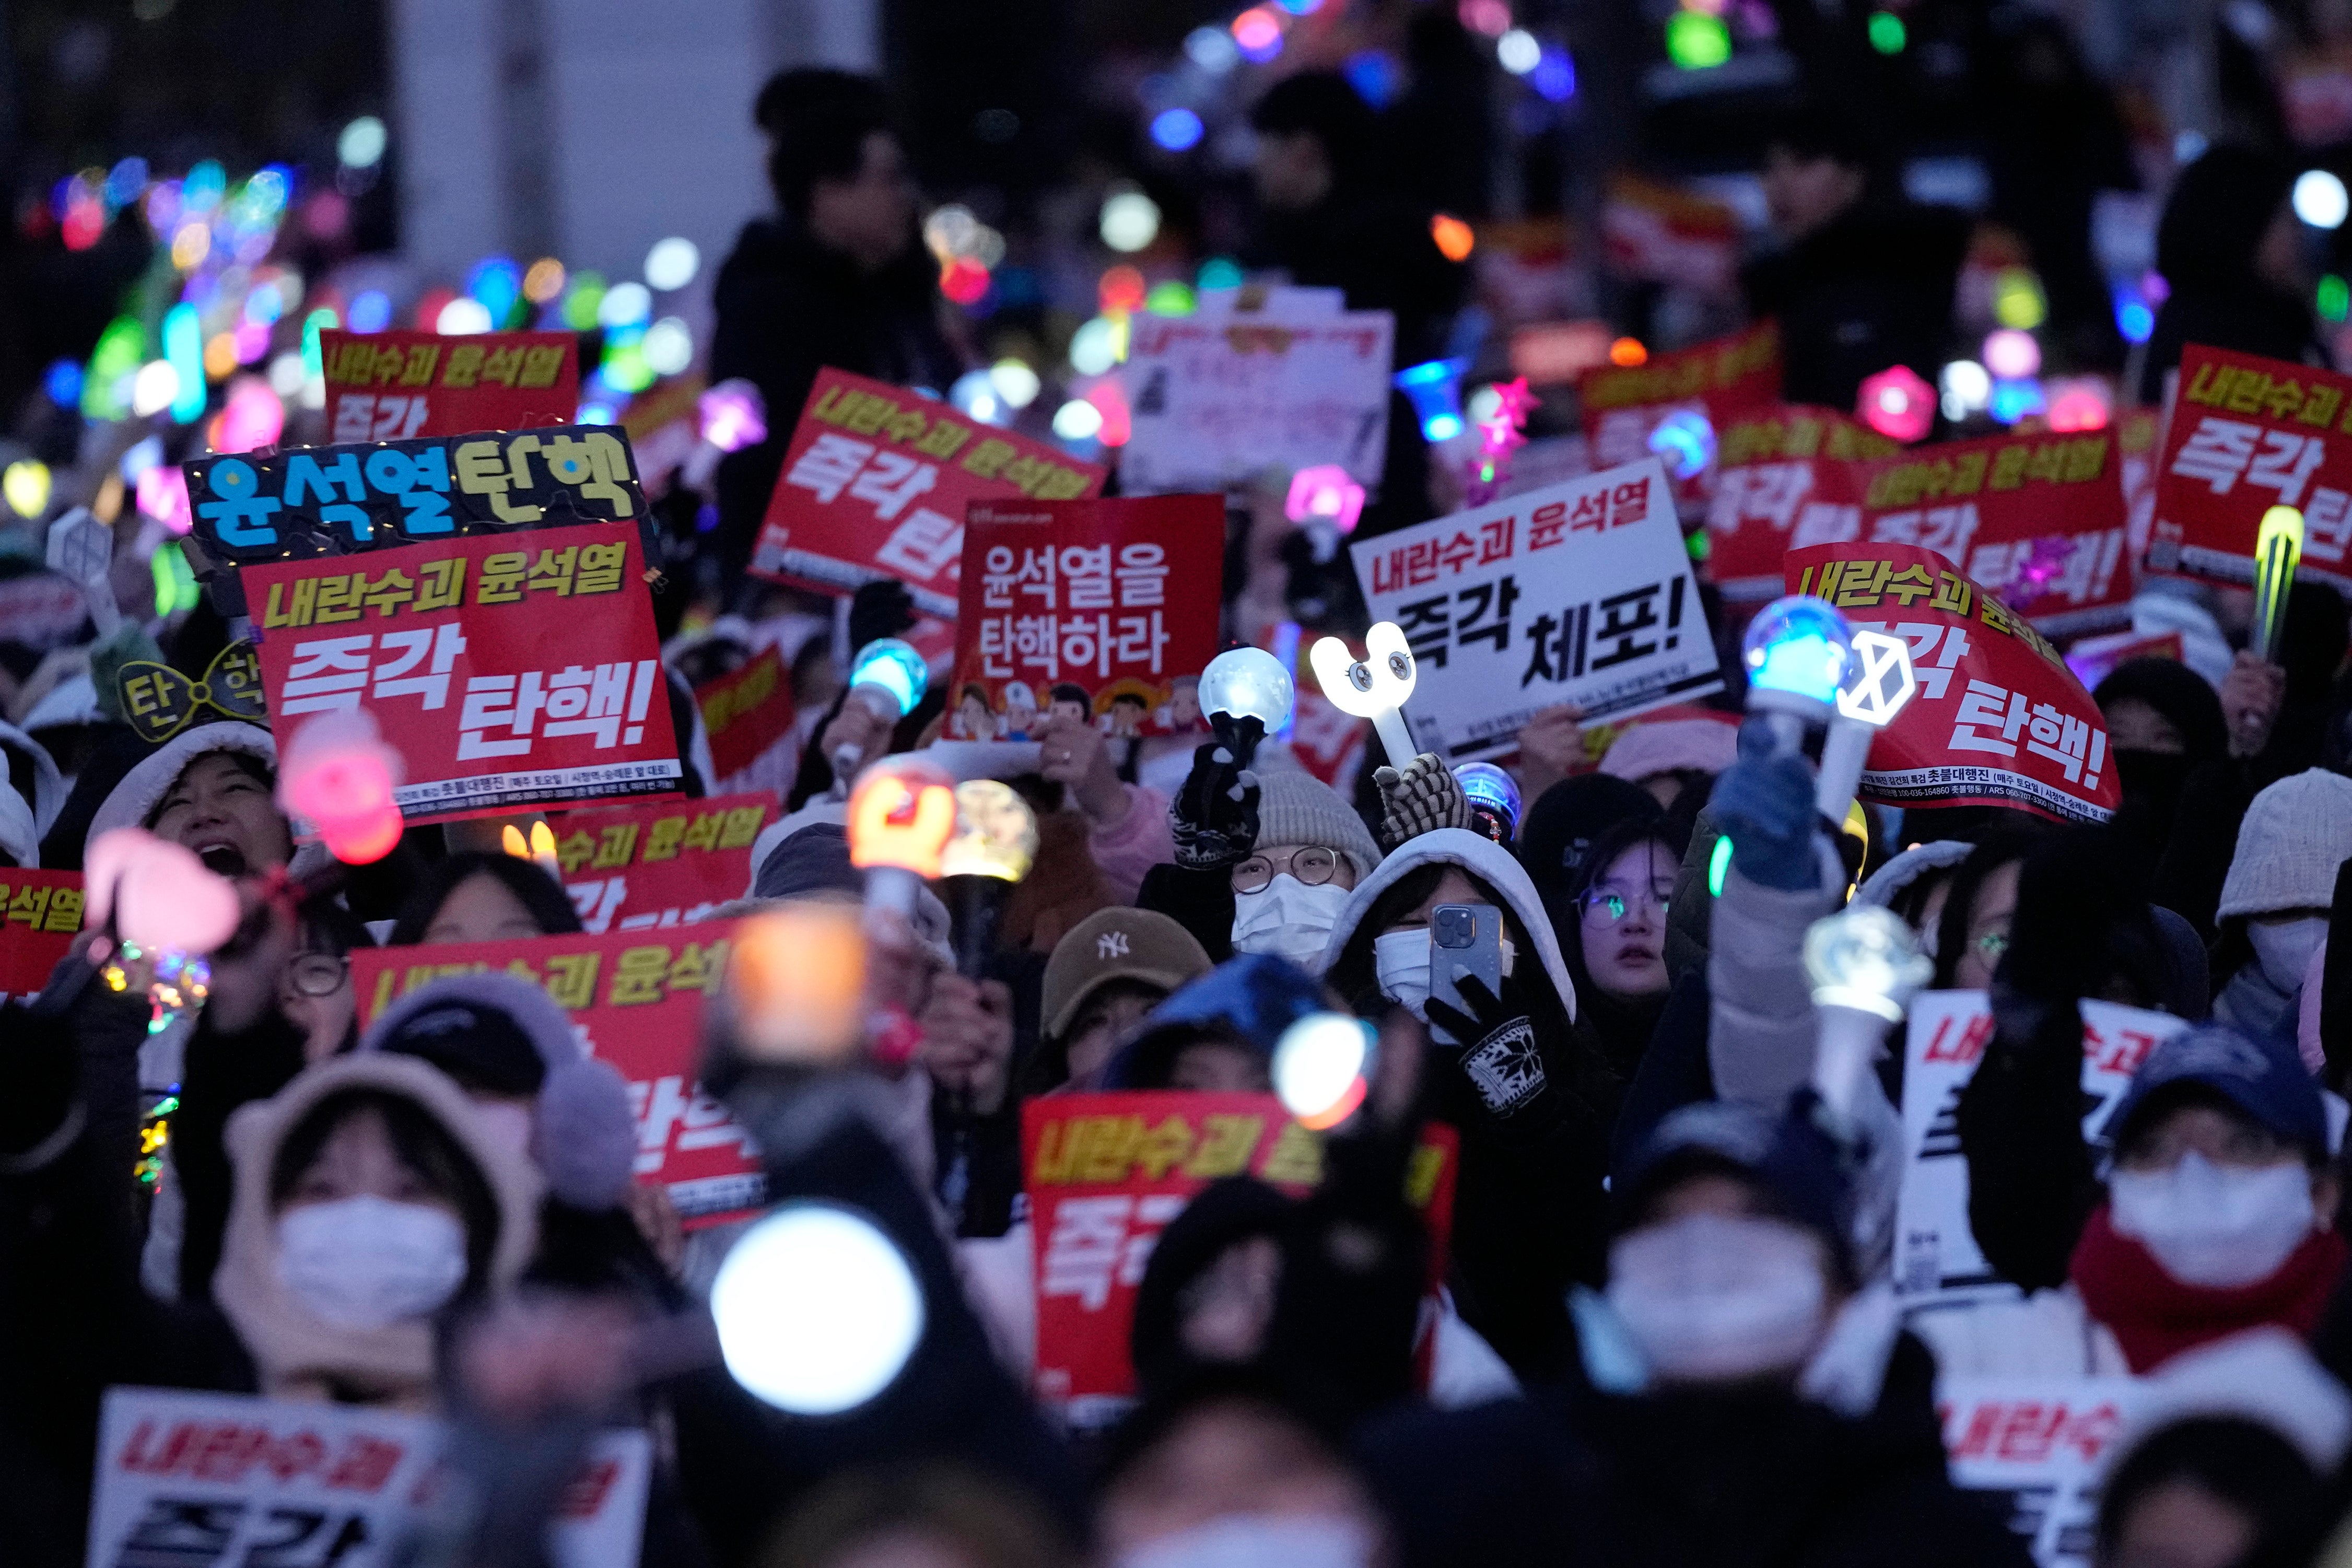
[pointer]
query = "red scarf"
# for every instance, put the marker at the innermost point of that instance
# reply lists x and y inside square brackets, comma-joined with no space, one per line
[2155,1317]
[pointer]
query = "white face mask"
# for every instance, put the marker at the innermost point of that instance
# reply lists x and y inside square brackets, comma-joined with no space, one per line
[368,1262]
[2285,949]
[1400,964]
[1259,1540]
[2215,1224]
[1718,1299]
[1288,919]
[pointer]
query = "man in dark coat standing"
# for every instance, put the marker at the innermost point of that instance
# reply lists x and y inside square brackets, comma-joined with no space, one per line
[1862,278]
[836,278]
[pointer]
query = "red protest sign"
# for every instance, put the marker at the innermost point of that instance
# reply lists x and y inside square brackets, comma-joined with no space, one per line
[1720,378]
[2249,434]
[876,484]
[394,387]
[39,913]
[631,868]
[1998,718]
[509,670]
[1781,472]
[638,1003]
[1092,608]
[2037,520]
[746,710]
[1105,1174]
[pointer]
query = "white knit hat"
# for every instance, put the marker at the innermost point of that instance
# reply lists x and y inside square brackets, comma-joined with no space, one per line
[2294,836]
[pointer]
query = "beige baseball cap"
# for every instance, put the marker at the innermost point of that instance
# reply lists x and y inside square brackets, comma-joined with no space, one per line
[1117,943]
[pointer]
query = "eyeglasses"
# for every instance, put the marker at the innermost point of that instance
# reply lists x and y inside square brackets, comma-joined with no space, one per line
[317,973]
[1608,908]
[1312,864]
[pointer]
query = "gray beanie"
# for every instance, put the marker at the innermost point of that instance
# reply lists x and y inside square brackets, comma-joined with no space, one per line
[2294,836]
[1293,806]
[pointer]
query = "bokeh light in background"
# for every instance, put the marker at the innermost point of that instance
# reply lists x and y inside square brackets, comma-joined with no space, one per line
[1257,33]
[1517,51]
[2320,199]
[363,142]
[672,263]
[1130,220]
[2010,354]
[1178,130]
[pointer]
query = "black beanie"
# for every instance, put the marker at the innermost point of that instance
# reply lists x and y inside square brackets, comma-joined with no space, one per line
[2177,692]
[481,1047]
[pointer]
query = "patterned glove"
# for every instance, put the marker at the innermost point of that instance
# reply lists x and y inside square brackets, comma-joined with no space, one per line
[1505,1060]
[1213,818]
[1422,795]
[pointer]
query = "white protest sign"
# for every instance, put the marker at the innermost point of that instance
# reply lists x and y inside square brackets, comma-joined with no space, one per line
[2037,1449]
[82,548]
[1578,592]
[228,1481]
[1216,399]
[1936,1260]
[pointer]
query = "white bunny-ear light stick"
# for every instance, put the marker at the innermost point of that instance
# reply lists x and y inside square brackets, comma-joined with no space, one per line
[1375,687]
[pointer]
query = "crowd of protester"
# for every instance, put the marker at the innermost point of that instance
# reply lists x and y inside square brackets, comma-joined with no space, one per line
[1667,1330]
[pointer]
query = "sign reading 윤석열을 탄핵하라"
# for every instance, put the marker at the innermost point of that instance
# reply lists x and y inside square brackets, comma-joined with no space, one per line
[484,596]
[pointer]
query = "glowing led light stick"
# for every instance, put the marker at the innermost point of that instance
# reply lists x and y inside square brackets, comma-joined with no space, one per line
[538,847]
[1247,683]
[994,846]
[1865,966]
[900,816]
[817,1308]
[2278,551]
[1878,683]
[1375,687]
[796,982]
[888,677]
[338,775]
[1322,1066]
[154,900]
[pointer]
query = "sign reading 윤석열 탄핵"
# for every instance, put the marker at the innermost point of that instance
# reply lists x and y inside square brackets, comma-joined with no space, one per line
[315,500]
[1579,592]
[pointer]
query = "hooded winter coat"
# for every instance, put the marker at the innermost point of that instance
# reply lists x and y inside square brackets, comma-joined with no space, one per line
[1528,1213]
[69,1265]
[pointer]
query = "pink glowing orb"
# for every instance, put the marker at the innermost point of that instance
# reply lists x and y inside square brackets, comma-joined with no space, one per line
[161,897]
[734,416]
[338,775]
[1897,403]
[1325,491]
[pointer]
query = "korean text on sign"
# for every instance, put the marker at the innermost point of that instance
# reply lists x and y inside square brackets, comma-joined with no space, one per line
[875,481]
[397,385]
[2248,434]
[638,868]
[746,710]
[348,499]
[504,677]
[1716,381]
[1778,471]
[1998,719]
[2039,520]
[40,912]
[1936,1258]
[229,1480]
[1105,1174]
[2036,1450]
[1579,592]
[1096,608]
[637,997]
[1219,396]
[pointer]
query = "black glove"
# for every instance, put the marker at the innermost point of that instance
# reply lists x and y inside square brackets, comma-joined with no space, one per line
[1215,815]
[1505,1063]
